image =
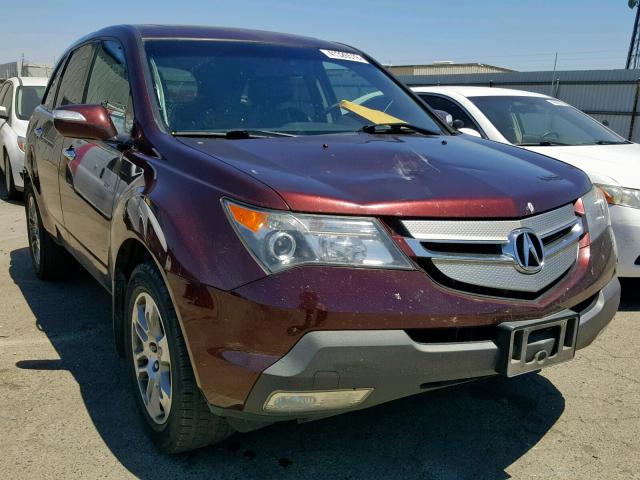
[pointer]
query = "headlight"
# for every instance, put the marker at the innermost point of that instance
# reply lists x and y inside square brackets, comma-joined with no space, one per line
[21,143]
[596,212]
[627,197]
[279,240]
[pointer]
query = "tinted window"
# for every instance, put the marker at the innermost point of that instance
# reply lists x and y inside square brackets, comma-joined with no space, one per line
[27,99]
[108,85]
[440,103]
[3,91]
[72,84]
[5,101]
[218,86]
[543,121]
[53,86]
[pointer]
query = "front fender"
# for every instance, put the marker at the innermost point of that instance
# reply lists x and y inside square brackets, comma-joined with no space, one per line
[179,222]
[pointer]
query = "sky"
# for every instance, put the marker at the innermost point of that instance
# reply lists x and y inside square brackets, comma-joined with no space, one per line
[521,35]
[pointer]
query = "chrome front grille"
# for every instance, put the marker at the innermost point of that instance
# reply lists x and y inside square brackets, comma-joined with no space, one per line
[488,230]
[482,253]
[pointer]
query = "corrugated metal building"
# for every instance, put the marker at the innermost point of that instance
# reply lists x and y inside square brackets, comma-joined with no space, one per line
[607,95]
[24,69]
[445,68]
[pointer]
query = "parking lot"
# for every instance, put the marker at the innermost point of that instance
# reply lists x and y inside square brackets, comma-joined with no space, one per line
[67,411]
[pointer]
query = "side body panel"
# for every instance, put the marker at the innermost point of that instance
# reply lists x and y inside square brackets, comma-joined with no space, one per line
[43,161]
[88,182]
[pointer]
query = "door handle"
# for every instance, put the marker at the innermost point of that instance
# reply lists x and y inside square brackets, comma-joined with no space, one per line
[38,132]
[69,154]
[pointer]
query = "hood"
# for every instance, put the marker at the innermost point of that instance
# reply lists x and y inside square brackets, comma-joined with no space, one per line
[617,164]
[404,175]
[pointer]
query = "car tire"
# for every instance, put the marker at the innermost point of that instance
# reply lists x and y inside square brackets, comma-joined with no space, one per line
[151,329]
[50,260]
[10,192]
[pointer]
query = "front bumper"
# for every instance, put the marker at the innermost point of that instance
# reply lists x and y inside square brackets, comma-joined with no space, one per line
[626,228]
[393,364]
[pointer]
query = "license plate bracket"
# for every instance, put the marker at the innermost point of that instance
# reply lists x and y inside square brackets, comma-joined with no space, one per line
[530,345]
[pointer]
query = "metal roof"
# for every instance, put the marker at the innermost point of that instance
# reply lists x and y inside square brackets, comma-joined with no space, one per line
[525,78]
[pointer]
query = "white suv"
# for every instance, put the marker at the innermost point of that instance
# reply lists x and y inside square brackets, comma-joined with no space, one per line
[19,96]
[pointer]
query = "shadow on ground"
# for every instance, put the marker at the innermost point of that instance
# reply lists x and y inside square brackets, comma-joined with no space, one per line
[630,299]
[471,431]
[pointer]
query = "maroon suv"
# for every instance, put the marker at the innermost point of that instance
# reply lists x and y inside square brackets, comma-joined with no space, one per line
[289,233]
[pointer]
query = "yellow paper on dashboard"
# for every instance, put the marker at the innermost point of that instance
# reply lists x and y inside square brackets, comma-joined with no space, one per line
[375,116]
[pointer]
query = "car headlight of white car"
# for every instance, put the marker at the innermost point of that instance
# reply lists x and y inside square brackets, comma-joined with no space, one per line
[626,197]
[596,212]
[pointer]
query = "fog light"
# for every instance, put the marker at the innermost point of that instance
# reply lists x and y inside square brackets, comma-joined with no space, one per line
[284,402]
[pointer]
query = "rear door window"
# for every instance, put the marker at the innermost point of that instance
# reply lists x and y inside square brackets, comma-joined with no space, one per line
[3,92]
[50,93]
[71,89]
[5,101]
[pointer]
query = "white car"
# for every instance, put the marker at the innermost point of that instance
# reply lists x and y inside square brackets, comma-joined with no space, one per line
[19,96]
[549,126]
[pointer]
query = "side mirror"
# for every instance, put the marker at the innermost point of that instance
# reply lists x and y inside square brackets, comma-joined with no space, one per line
[470,131]
[3,113]
[604,122]
[446,117]
[457,124]
[89,122]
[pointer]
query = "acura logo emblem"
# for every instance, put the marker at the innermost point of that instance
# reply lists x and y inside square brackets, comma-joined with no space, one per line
[528,251]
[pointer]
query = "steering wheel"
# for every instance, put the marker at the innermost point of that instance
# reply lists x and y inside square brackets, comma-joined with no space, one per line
[330,108]
[550,135]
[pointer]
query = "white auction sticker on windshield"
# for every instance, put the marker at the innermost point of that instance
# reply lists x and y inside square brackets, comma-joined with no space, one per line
[557,103]
[338,55]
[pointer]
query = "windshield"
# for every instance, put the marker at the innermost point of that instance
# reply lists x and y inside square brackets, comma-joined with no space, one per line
[529,121]
[27,99]
[216,86]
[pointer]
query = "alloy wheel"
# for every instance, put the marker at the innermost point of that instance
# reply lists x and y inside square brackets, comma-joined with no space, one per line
[34,230]
[151,359]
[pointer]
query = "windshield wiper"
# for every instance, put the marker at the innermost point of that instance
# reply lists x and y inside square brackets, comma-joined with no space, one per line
[609,142]
[397,128]
[231,134]
[544,143]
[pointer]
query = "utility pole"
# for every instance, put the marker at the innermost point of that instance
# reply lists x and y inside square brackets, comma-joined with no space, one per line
[633,58]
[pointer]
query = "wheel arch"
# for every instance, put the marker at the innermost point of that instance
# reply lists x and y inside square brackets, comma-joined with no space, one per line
[131,253]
